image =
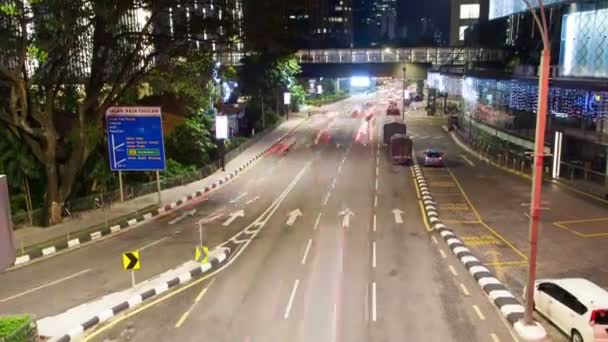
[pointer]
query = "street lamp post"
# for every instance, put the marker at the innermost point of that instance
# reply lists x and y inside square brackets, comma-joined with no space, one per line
[539,150]
[403,92]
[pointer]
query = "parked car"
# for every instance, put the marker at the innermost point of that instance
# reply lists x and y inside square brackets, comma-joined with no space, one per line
[576,306]
[433,158]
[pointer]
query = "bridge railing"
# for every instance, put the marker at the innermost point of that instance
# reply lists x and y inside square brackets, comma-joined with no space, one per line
[402,55]
[433,55]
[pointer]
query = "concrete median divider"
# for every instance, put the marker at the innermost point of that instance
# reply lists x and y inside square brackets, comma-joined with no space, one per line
[507,304]
[70,325]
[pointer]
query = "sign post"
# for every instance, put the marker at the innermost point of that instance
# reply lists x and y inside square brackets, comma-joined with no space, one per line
[135,139]
[131,262]
[287,102]
[221,133]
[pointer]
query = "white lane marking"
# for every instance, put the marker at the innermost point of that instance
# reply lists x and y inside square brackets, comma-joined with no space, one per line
[306,251]
[453,270]
[374,222]
[434,239]
[333,184]
[374,316]
[494,337]
[153,243]
[442,253]
[317,222]
[465,290]
[326,199]
[467,160]
[340,169]
[55,282]
[377,171]
[376,201]
[478,312]
[291,297]
[376,184]
[374,254]
[527,215]
[334,325]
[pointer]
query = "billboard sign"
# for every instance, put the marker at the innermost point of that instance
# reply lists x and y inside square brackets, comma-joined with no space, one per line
[135,138]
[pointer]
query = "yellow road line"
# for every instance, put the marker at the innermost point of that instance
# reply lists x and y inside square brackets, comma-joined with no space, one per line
[426,222]
[478,312]
[198,298]
[466,197]
[568,229]
[144,307]
[598,219]
[465,290]
[494,337]
[506,263]
[461,222]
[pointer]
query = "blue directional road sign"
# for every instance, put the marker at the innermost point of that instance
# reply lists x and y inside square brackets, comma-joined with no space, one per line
[135,138]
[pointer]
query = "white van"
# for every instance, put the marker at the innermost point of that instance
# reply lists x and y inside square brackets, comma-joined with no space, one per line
[576,306]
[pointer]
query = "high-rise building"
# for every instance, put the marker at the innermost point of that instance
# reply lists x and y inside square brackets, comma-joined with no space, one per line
[465,13]
[376,22]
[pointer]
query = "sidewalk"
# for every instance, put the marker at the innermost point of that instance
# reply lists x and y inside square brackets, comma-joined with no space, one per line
[128,210]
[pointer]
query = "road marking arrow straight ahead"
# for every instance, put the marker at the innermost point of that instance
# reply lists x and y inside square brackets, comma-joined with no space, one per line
[293,216]
[398,218]
[346,214]
[183,216]
[233,216]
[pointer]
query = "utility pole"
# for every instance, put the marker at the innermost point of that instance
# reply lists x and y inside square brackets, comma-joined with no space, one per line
[529,328]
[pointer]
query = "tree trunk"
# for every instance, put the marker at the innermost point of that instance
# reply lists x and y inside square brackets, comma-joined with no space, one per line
[54,203]
[263,113]
[28,200]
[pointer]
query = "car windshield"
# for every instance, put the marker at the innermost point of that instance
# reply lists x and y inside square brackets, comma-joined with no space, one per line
[433,154]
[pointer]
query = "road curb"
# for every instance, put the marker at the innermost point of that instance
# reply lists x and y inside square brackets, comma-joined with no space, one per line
[503,299]
[164,209]
[214,264]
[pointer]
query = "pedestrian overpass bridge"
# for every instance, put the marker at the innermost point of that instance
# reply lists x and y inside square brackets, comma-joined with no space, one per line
[430,55]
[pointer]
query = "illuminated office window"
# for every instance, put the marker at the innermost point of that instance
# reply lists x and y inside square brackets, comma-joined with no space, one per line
[469,11]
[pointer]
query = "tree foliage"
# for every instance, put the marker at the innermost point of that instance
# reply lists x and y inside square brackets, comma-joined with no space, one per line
[64,62]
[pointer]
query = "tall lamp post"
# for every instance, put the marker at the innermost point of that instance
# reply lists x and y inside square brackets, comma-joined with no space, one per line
[527,327]
[403,92]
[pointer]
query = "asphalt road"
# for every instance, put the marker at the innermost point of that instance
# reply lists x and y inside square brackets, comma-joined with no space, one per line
[358,265]
[489,208]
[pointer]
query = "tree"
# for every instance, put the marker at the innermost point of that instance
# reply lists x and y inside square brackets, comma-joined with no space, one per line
[64,62]
[266,76]
[192,142]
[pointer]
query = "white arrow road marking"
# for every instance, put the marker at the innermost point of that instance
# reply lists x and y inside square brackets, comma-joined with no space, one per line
[233,216]
[397,213]
[293,216]
[237,198]
[183,216]
[346,214]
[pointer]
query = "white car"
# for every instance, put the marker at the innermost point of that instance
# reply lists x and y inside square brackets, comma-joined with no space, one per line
[576,306]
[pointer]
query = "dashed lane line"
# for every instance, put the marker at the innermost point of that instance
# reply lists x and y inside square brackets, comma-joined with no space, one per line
[317,222]
[494,337]
[306,251]
[479,313]
[374,254]
[443,255]
[464,290]
[434,239]
[374,315]
[453,270]
[374,226]
[291,297]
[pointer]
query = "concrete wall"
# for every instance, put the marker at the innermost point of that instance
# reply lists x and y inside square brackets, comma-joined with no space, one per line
[415,71]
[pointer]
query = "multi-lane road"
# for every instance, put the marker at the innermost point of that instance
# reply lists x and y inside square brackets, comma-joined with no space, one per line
[341,251]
